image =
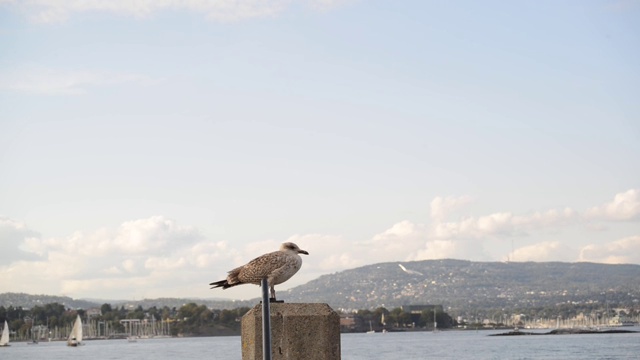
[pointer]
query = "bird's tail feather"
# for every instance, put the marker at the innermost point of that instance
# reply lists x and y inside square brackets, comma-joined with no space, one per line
[230,281]
[224,284]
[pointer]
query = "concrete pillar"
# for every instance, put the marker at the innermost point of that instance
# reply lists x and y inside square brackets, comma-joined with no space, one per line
[298,332]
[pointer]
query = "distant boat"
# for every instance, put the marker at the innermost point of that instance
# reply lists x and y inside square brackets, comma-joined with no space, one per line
[34,340]
[4,339]
[75,337]
[370,328]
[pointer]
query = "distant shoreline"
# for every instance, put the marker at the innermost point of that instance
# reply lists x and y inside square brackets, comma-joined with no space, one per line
[567,332]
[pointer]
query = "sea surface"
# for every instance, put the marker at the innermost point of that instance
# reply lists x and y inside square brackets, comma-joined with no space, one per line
[457,345]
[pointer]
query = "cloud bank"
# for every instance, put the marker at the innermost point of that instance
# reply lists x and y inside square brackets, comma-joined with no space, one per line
[157,256]
[623,251]
[624,207]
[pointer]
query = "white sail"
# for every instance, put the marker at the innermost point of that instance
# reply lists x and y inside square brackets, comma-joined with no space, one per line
[4,340]
[75,337]
[79,332]
[370,328]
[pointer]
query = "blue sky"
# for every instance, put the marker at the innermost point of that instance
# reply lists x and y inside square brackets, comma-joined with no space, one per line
[148,147]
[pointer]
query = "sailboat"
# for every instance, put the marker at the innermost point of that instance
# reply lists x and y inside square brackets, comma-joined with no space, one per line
[4,339]
[435,321]
[384,324]
[371,331]
[75,337]
[34,338]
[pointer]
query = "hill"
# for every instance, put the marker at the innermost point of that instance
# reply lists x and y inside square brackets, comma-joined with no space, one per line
[28,301]
[466,286]
[463,287]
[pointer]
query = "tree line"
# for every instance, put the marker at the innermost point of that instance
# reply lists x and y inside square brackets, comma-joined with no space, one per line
[396,319]
[188,320]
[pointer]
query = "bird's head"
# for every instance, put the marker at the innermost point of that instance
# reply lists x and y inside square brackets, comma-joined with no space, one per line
[289,246]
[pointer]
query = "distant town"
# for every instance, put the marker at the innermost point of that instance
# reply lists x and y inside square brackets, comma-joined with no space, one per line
[53,322]
[410,296]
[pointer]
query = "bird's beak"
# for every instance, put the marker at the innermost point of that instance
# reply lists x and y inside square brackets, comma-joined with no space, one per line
[303,252]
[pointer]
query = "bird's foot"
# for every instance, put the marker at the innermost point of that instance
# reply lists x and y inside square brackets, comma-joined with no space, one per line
[273,300]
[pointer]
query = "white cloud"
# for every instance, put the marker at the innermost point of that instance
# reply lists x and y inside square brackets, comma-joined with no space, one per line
[113,270]
[34,79]
[624,206]
[152,235]
[404,241]
[544,251]
[442,206]
[130,266]
[398,242]
[7,223]
[13,235]
[503,223]
[326,252]
[55,11]
[623,251]
[467,237]
[153,257]
[144,236]
[438,249]
[85,261]
[206,254]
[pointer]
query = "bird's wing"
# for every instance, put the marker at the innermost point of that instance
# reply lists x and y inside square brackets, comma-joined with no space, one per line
[261,267]
[284,272]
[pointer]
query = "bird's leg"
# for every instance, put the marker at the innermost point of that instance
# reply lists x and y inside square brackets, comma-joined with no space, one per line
[273,293]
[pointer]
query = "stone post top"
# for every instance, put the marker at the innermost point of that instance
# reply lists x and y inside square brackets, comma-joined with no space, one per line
[299,331]
[295,309]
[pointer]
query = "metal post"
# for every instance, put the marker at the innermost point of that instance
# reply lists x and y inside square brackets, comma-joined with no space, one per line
[266,321]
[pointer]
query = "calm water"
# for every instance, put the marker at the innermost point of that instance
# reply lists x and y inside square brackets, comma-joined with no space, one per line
[420,345]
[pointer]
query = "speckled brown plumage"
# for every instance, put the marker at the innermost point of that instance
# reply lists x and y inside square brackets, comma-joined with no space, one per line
[277,267]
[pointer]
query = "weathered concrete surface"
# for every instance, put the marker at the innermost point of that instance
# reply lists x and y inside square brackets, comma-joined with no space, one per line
[298,332]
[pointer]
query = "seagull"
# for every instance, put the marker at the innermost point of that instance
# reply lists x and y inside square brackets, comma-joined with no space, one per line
[277,267]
